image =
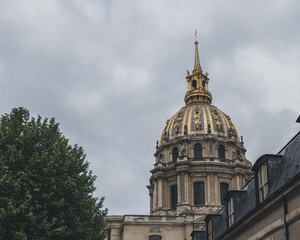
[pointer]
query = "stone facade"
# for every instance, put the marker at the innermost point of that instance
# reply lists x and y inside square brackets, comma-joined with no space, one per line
[211,170]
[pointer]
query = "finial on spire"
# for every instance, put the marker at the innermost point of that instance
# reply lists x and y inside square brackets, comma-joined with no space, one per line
[197,60]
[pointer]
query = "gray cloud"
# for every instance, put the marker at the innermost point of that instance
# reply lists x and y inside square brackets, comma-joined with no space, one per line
[112,73]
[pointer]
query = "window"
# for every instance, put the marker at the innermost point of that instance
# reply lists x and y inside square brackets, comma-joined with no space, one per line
[203,85]
[174,154]
[194,84]
[221,152]
[199,193]
[230,212]
[174,197]
[209,230]
[262,182]
[223,192]
[155,237]
[197,151]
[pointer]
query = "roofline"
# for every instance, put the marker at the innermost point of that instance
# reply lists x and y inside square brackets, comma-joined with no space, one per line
[262,159]
[231,192]
[289,142]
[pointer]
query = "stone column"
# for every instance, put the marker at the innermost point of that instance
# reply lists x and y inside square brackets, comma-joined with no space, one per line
[151,200]
[179,187]
[155,196]
[186,188]
[160,193]
[217,191]
[212,186]
[208,189]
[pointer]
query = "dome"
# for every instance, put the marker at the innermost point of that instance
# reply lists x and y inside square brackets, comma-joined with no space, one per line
[199,119]
[199,157]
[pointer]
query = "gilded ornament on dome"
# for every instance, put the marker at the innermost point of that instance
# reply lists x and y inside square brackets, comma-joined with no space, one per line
[185,130]
[209,129]
[218,125]
[176,126]
[166,134]
[197,116]
[198,123]
[167,123]
[217,120]
[229,120]
[232,131]
[215,112]
[197,113]
[178,121]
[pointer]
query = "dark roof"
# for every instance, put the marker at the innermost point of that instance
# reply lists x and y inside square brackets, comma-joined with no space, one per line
[285,146]
[290,166]
[245,200]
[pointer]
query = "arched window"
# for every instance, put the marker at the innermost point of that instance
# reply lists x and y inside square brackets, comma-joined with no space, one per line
[175,154]
[194,84]
[203,85]
[223,191]
[174,196]
[221,152]
[198,151]
[199,193]
[155,237]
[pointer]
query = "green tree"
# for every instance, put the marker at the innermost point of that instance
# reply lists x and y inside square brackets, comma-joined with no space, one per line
[45,185]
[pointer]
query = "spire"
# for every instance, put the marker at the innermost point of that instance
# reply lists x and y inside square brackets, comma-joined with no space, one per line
[197,60]
[197,82]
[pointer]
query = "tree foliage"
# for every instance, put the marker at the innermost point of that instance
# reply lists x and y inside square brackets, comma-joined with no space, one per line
[45,185]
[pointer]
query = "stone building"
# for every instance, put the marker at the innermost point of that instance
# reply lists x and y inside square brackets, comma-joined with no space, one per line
[199,158]
[267,208]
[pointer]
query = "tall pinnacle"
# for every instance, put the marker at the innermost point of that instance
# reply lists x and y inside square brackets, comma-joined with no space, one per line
[197,60]
[197,88]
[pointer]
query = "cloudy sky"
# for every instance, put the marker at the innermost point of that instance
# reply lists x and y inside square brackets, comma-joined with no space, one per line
[113,71]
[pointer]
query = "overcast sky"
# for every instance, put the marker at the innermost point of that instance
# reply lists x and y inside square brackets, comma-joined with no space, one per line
[113,71]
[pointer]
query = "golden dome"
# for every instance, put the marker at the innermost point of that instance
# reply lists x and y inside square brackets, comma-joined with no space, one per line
[198,117]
